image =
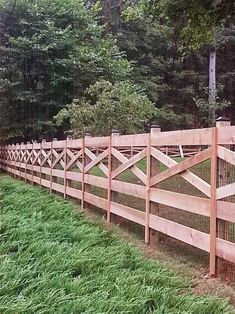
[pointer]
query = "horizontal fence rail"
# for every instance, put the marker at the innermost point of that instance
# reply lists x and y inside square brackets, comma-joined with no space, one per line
[103,171]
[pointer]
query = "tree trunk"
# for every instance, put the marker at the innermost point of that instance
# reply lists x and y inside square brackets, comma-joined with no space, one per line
[212,87]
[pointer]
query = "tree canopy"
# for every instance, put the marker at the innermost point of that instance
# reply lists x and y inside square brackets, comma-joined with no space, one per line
[57,54]
[51,51]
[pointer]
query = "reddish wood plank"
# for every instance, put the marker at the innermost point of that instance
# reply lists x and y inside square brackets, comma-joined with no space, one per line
[36,145]
[129,188]
[129,163]
[128,213]
[147,196]
[185,202]
[75,143]
[51,158]
[75,193]
[133,169]
[184,137]
[59,144]
[97,141]
[83,172]
[65,168]
[57,187]
[95,200]
[47,158]
[185,234]
[73,157]
[74,176]
[109,181]
[226,135]
[225,191]
[96,181]
[93,157]
[213,206]
[46,183]
[130,140]
[225,249]
[46,170]
[190,177]
[96,160]
[46,145]
[182,166]
[58,157]
[226,154]
[226,211]
[36,180]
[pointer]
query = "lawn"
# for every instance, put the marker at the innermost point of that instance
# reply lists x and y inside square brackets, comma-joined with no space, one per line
[56,260]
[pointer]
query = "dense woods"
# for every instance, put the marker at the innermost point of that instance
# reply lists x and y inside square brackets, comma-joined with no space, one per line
[93,66]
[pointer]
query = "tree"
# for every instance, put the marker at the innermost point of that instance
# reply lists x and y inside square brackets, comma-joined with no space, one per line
[51,51]
[108,106]
[196,23]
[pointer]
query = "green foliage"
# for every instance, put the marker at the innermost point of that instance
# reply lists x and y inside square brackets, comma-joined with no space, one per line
[157,69]
[108,106]
[190,26]
[55,260]
[194,20]
[50,53]
[204,105]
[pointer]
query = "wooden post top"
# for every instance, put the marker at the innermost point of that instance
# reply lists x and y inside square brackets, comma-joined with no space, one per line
[87,134]
[223,121]
[115,133]
[155,128]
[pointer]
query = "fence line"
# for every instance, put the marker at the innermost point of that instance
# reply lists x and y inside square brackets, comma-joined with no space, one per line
[75,167]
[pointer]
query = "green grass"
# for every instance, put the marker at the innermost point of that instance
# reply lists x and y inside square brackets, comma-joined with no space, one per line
[55,260]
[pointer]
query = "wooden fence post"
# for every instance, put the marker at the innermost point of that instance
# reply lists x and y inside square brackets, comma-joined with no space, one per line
[22,159]
[51,157]
[34,142]
[65,166]
[12,164]
[154,169]
[9,156]
[109,180]
[86,161]
[83,172]
[41,159]
[213,203]
[222,179]
[113,166]
[147,206]
[16,157]
[26,161]
[21,154]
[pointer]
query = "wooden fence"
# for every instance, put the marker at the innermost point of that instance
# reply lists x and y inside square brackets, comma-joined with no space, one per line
[74,167]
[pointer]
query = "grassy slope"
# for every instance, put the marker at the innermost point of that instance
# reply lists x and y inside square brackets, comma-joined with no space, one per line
[53,260]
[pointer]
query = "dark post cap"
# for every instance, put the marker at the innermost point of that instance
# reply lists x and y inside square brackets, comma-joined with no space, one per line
[68,132]
[155,126]
[115,131]
[223,118]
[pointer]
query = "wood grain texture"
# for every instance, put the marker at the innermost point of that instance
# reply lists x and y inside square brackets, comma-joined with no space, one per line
[190,177]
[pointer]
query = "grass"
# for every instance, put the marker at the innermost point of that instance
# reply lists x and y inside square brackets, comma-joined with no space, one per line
[56,260]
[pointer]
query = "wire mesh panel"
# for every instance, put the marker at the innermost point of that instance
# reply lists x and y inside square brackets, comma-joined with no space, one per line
[226,199]
[176,188]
